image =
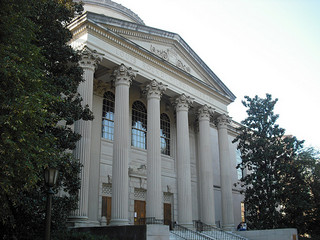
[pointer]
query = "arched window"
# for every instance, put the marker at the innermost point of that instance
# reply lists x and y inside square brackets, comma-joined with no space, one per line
[139,125]
[165,134]
[108,116]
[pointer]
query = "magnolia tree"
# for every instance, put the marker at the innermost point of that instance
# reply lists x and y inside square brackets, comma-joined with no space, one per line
[39,104]
[279,181]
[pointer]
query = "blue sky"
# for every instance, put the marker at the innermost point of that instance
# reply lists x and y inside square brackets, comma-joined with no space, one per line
[255,47]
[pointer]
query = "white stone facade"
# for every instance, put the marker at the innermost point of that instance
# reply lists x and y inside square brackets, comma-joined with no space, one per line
[193,178]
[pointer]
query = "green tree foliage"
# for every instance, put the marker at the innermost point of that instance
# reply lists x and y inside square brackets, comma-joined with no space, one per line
[283,179]
[39,103]
[266,151]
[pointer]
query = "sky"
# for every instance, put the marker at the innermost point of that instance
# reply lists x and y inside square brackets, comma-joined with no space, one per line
[255,47]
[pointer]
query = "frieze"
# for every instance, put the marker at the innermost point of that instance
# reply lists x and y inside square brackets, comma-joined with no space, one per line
[161,53]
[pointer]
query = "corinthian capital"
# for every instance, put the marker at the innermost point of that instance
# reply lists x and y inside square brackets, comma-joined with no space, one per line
[223,121]
[205,112]
[183,102]
[123,75]
[90,58]
[155,89]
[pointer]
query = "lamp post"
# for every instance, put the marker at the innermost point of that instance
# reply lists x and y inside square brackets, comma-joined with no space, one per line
[50,178]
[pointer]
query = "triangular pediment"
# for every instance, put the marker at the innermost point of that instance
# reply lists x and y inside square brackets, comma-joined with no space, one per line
[167,46]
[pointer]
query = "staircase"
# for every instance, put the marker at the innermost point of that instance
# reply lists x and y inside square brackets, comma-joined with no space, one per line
[201,231]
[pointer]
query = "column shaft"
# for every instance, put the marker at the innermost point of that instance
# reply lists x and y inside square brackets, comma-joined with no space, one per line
[82,151]
[183,161]
[120,186]
[154,192]
[225,174]
[206,168]
[90,60]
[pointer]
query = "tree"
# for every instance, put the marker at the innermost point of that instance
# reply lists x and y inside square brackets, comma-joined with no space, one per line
[39,104]
[312,171]
[267,153]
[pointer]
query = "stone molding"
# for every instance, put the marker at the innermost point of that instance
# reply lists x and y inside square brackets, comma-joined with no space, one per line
[90,58]
[123,75]
[183,102]
[154,89]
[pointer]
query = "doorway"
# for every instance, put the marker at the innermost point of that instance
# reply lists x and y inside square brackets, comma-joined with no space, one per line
[106,208]
[139,212]
[167,215]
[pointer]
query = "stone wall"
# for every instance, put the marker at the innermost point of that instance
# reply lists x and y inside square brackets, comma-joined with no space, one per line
[272,234]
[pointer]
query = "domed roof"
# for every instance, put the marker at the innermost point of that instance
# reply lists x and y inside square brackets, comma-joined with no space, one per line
[111,9]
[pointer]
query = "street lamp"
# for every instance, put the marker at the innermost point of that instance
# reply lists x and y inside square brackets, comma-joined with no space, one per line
[50,178]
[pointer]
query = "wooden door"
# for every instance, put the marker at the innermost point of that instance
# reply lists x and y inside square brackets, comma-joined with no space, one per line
[106,208]
[139,212]
[167,214]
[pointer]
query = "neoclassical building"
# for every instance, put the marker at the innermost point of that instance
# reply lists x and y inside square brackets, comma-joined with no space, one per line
[160,145]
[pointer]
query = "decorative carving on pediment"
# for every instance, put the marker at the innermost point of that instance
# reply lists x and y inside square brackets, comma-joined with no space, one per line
[182,66]
[161,53]
[100,87]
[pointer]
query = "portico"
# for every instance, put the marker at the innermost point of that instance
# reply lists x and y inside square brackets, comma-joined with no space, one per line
[163,115]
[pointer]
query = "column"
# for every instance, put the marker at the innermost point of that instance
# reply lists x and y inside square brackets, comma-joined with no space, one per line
[123,77]
[225,173]
[206,167]
[154,92]
[89,62]
[182,104]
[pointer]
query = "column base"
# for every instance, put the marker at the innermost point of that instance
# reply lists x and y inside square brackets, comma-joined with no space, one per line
[81,221]
[119,222]
[228,227]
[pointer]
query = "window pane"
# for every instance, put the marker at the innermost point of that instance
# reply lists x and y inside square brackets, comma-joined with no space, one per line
[108,116]
[139,125]
[165,134]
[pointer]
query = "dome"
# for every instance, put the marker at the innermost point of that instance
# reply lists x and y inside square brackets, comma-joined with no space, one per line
[111,9]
